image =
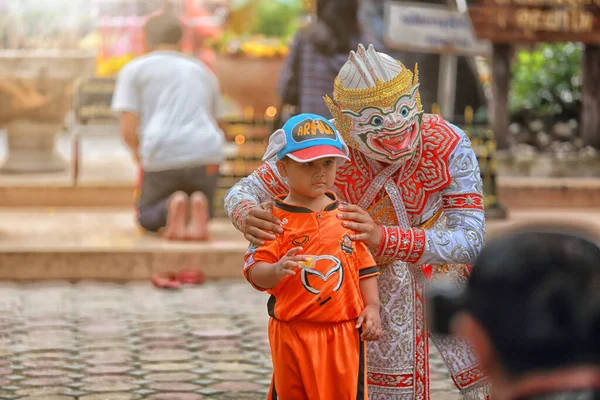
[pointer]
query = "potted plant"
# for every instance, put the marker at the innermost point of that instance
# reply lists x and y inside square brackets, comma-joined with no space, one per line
[251,52]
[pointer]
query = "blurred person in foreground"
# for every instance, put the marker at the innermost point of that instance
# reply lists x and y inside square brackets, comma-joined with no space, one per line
[170,110]
[532,312]
[317,53]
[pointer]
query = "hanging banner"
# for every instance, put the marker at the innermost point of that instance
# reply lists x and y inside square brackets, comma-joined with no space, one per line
[431,29]
[510,21]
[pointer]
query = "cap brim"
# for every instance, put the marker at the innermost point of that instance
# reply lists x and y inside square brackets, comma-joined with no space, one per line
[317,152]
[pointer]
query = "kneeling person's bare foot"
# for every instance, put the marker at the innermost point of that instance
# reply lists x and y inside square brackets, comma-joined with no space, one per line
[198,225]
[177,216]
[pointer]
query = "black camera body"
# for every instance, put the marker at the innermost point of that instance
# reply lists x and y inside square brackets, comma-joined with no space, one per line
[444,299]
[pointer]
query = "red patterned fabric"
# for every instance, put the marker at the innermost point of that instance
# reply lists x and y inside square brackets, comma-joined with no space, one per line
[405,245]
[466,378]
[390,380]
[271,180]
[463,201]
[426,174]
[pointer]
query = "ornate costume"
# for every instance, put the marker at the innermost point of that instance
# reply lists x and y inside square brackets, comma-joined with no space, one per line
[418,178]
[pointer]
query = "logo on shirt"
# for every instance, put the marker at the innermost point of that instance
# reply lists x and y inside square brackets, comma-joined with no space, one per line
[252,248]
[249,262]
[347,245]
[330,266]
[300,240]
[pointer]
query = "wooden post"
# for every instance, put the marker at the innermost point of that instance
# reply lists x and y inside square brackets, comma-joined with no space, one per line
[590,106]
[501,55]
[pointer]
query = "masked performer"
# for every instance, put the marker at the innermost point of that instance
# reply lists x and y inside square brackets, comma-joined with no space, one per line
[414,196]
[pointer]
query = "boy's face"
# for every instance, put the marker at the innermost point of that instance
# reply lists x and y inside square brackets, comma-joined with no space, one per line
[311,179]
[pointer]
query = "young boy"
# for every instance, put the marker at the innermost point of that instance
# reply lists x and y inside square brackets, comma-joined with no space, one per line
[323,286]
[173,100]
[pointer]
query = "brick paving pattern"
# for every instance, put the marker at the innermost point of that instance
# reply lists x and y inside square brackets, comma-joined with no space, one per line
[104,341]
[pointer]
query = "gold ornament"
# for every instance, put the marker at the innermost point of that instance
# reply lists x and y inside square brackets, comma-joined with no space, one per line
[342,122]
[382,95]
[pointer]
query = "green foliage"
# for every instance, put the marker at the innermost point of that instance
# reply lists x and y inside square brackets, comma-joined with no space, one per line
[546,82]
[277,18]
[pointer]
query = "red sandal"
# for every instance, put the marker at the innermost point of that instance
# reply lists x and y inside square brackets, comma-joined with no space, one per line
[173,280]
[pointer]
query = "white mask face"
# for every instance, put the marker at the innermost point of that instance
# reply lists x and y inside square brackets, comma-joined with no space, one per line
[390,135]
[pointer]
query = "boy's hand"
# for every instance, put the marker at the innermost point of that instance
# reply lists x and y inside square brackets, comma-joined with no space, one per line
[289,262]
[372,320]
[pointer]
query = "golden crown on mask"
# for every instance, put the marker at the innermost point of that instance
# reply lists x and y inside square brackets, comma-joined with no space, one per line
[383,95]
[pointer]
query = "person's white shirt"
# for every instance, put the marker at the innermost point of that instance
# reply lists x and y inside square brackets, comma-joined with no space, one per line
[178,101]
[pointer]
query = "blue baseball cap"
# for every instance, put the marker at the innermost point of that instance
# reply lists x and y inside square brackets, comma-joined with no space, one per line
[309,137]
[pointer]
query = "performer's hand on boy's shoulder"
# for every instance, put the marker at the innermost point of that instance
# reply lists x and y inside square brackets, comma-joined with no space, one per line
[260,224]
[372,323]
[360,221]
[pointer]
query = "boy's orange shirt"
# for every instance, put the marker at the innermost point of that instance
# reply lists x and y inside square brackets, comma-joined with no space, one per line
[328,291]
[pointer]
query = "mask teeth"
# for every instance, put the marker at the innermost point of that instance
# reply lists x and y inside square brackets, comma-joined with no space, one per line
[362,68]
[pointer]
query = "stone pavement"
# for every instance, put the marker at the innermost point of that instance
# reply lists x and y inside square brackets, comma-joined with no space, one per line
[96,340]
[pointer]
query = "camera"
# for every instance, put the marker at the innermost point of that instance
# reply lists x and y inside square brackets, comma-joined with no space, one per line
[444,299]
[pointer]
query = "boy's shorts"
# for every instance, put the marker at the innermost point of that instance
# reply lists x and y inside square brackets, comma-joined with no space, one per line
[317,361]
[158,186]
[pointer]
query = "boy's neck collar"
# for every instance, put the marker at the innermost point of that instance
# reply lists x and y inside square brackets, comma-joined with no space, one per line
[281,204]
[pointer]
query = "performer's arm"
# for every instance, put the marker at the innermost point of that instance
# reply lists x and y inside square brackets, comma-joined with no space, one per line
[260,186]
[463,237]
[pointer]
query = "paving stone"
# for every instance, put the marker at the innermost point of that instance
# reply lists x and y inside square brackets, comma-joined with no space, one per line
[130,341]
[107,357]
[42,364]
[43,372]
[167,355]
[225,356]
[260,371]
[94,344]
[42,391]
[168,367]
[108,369]
[109,383]
[138,372]
[236,386]
[109,386]
[173,386]
[46,355]
[161,336]
[151,345]
[233,376]
[49,397]
[144,392]
[111,396]
[204,382]
[75,393]
[210,391]
[171,377]
[217,334]
[201,371]
[231,367]
[49,381]
[176,396]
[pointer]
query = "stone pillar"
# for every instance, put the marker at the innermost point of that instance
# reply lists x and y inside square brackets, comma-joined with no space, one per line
[590,105]
[501,55]
[31,147]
